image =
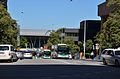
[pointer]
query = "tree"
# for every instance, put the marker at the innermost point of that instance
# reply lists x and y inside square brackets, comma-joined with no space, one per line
[55,39]
[109,36]
[69,41]
[8,29]
[89,44]
[23,42]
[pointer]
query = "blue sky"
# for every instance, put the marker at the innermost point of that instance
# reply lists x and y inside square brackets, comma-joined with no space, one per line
[52,14]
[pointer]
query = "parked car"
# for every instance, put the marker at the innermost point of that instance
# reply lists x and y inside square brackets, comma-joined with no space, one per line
[27,54]
[111,57]
[7,52]
[20,54]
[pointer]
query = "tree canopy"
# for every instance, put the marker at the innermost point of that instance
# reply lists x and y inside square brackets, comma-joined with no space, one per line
[109,36]
[8,28]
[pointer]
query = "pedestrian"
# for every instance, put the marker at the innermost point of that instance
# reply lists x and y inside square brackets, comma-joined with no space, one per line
[92,55]
[81,55]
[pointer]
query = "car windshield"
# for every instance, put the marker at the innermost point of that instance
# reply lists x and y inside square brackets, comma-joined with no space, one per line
[4,48]
[117,52]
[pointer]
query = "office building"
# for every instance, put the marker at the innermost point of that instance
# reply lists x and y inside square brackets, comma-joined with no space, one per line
[92,28]
[103,11]
[36,37]
[73,33]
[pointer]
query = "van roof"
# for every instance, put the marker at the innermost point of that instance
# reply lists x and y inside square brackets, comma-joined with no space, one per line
[5,45]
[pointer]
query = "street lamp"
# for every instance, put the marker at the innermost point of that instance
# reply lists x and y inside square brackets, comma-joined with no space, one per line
[62,36]
[18,35]
[84,37]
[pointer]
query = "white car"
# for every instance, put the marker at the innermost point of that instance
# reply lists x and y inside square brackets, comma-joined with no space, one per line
[27,55]
[19,54]
[111,57]
[7,52]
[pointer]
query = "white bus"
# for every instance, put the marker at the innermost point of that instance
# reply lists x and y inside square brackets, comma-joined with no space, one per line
[62,51]
[7,52]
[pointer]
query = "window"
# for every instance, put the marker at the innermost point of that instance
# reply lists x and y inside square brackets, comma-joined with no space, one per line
[12,48]
[109,52]
[4,48]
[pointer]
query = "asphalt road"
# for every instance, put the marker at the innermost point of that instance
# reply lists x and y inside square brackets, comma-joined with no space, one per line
[57,69]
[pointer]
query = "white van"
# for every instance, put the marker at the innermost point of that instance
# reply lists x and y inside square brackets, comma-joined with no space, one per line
[7,53]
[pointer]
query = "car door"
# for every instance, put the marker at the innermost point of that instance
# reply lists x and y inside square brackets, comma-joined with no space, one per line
[108,56]
[112,58]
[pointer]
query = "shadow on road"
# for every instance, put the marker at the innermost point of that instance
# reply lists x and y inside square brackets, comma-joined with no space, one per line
[58,72]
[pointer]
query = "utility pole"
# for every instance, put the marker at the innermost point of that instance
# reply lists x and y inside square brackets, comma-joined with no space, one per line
[18,35]
[84,37]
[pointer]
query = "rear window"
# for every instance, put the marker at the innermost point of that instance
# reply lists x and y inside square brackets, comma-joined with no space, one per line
[4,48]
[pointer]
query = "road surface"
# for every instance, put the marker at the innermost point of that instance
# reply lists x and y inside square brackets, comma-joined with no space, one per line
[57,69]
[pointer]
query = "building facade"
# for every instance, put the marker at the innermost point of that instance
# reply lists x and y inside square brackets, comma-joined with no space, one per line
[36,37]
[103,11]
[90,27]
[73,33]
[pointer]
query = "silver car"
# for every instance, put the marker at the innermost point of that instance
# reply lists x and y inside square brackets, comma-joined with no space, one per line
[111,57]
[20,54]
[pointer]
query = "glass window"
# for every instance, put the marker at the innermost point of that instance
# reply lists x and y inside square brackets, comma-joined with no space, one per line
[12,48]
[104,52]
[4,48]
[117,52]
[109,52]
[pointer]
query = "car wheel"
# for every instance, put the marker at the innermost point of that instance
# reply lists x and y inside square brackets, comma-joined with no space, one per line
[116,63]
[12,60]
[104,62]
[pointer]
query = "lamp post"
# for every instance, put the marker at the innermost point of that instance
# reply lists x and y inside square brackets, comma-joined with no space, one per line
[62,36]
[18,35]
[84,45]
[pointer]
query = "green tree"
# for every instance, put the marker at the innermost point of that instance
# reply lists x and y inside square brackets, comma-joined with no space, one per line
[109,36]
[80,44]
[8,29]
[69,41]
[23,42]
[55,39]
[89,44]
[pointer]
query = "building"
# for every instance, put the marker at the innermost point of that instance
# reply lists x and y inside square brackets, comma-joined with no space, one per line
[36,37]
[72,33]
[92,28]
[4,2]
[103,11]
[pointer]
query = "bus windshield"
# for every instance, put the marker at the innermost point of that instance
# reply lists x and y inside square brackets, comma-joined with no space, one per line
[63,49]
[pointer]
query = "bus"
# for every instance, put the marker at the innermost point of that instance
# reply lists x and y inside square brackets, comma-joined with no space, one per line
[46,54]
[62,51]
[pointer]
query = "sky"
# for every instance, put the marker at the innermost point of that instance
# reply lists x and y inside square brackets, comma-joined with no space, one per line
[53,14]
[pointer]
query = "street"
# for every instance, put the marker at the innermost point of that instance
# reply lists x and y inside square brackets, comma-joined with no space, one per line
[57,69]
